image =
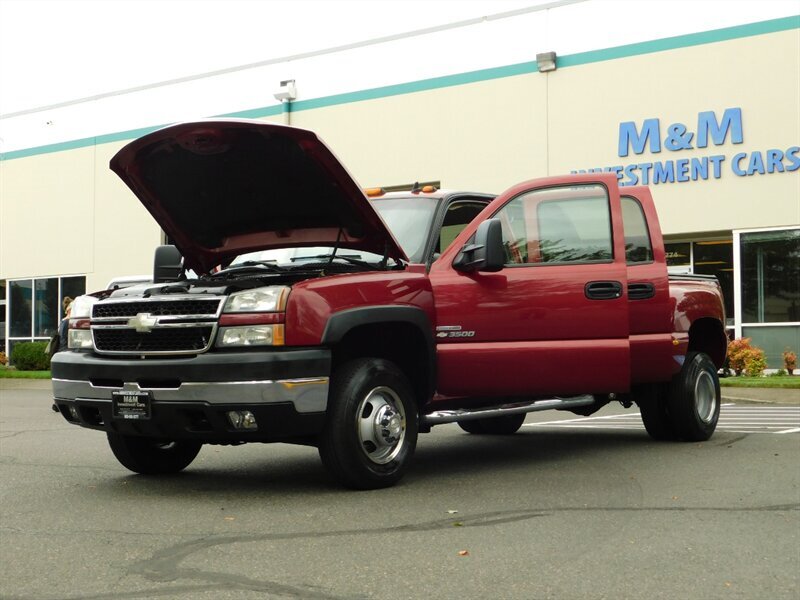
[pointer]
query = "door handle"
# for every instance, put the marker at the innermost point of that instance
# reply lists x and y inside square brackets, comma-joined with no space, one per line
[603,290]
[641,291]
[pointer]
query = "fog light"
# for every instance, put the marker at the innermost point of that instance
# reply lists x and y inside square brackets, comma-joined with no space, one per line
[242,419]
[73,411]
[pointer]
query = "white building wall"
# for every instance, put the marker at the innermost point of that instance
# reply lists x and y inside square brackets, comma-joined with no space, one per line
[448,112]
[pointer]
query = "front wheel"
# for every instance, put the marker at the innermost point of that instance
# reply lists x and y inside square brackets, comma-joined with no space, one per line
[372,423]
[694,398]
[150,456]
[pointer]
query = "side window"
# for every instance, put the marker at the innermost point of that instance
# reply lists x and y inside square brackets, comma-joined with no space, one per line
[638,248]
[558,226]
[458,216]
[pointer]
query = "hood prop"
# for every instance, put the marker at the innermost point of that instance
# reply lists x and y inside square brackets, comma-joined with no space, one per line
[335,247]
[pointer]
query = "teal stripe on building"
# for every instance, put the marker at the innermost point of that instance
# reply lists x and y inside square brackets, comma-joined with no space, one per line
[571,60]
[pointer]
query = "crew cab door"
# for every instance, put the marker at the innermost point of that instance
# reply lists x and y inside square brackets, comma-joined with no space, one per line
[649,305]
[554,319]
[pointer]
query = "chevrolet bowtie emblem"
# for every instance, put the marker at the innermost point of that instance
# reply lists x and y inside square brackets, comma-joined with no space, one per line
[143,322]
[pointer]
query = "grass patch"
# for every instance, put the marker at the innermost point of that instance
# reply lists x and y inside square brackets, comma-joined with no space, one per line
[6,373]
[787,382]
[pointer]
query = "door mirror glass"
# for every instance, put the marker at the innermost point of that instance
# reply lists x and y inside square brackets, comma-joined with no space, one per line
[167,265]
[484,251]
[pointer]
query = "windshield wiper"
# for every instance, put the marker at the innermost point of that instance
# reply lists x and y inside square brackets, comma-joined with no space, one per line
[353,259]
[250,265]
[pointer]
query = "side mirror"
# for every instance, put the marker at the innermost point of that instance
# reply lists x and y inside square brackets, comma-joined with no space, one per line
[484,251]
[167,265]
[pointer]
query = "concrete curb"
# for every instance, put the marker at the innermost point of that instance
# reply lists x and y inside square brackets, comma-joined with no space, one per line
[782,401]
[25,384]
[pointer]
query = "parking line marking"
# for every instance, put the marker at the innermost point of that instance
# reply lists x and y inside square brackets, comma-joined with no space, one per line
[733,418]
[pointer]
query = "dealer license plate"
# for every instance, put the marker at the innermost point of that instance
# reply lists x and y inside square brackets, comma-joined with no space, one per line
[131,405]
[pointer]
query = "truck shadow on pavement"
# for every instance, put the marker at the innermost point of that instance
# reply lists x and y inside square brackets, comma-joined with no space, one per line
[474,455]
[458,458]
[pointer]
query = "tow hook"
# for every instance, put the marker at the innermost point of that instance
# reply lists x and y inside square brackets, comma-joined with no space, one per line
[623,399]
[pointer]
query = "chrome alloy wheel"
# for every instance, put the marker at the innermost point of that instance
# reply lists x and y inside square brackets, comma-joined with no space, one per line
[381,425]
[705,397]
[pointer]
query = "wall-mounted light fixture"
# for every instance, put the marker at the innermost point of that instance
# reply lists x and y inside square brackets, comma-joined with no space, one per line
[287,92]
[546,61]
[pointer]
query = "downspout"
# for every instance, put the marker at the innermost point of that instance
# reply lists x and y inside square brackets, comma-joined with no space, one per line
[287,112]
[287,93]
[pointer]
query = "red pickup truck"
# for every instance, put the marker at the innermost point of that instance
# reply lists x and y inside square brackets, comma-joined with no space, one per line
[319,316]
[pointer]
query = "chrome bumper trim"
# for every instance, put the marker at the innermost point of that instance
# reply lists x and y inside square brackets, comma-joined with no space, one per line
[309,394]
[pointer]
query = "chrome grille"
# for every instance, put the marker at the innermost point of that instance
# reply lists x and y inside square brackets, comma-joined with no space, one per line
[157,308]
[178,325]
[165,339]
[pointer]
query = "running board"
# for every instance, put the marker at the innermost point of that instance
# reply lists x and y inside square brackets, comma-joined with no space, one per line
[487,412]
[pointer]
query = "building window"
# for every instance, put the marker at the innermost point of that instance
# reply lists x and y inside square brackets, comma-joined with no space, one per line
[771,276]
[72,287]
[33,307]
[20,308]
[710,257]
[768,307]
[679,256]
[45,307]
[3,287]
[716,258]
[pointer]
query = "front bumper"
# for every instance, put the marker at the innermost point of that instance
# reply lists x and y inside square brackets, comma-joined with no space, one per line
[286,390]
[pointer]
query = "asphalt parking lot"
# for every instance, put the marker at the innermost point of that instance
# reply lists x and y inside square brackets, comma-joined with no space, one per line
[566,508]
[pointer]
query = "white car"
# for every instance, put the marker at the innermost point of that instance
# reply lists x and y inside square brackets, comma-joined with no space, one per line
[122,282]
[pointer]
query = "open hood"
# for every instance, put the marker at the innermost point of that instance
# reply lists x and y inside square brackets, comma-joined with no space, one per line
[220,188]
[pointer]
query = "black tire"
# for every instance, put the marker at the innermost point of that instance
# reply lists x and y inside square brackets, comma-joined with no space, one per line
[652,403]
[472,426]
[372,424]
[694,398]
[505,425]
[152,456]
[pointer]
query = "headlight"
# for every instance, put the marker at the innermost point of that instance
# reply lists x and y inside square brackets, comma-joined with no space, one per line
[81,307]
[253,318]
[79,335]
[266,299]
[253,335]
[79,338]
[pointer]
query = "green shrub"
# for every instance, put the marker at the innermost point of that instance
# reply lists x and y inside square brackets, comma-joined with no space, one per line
[754,362]
[30,356]
[779,373]
[737,352]
[789,360]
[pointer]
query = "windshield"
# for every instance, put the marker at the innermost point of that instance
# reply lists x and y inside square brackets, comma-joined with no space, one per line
[409,220]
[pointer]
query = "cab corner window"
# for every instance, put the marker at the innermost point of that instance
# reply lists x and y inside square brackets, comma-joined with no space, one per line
[638,248]
[562,225]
